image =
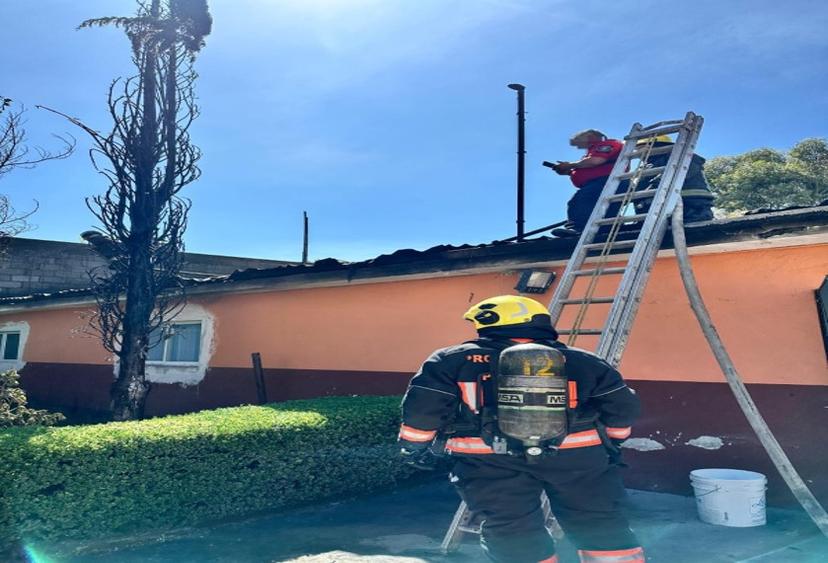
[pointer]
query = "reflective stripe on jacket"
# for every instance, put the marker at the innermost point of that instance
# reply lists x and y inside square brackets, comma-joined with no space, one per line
[477,446]
[416,435]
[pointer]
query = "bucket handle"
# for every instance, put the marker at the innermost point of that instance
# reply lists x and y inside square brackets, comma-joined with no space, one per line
[717,489]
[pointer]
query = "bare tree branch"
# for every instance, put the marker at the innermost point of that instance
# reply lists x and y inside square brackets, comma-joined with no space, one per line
[16,153]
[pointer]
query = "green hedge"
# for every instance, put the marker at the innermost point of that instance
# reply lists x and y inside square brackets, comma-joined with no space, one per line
[81,482]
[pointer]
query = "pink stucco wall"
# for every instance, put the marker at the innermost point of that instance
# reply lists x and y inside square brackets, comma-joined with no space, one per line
[762,302]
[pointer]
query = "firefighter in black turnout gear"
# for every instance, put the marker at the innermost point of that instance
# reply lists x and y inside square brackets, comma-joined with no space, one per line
[696,197]
[521,413]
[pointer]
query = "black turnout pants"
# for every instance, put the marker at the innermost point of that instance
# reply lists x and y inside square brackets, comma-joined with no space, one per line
[584,492]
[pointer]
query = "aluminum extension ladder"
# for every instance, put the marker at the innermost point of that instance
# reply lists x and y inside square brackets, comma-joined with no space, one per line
[637,236]
[466,521]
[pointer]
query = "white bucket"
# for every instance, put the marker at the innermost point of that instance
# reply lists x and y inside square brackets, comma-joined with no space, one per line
[729,497]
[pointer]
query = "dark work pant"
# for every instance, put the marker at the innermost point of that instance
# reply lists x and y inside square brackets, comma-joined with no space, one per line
[584,492]
[697,209]
[580,206]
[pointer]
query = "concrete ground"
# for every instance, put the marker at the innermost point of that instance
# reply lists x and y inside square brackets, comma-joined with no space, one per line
[406,526]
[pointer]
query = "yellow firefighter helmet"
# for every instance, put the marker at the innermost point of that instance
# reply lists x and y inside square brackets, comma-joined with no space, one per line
[657,139]
[504,310]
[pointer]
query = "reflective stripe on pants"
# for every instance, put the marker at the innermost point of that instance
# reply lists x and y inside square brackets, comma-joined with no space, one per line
[634,555]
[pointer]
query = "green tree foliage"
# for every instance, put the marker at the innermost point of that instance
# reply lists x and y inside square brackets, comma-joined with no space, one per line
[13,409]
[767,178]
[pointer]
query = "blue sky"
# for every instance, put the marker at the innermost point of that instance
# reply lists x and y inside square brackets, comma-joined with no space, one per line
[389,121]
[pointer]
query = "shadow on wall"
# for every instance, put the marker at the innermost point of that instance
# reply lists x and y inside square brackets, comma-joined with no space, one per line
[81,392]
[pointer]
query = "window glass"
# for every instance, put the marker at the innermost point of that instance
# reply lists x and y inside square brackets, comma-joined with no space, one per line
[156,349]
[12,348]
[181,343]
[184,344]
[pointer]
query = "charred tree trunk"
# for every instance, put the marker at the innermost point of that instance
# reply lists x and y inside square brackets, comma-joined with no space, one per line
[130,388]
[149,160]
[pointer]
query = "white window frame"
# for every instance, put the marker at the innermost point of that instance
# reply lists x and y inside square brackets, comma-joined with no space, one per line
[185,373]
[3,338]
[166,341]
[21,328]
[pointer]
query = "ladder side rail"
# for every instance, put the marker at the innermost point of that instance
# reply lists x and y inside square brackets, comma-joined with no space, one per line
[579,254]
[670,196]
[616,343]
[451,540]
[654,132]
[632,285]
[631,288]
[662,124]
[653,225]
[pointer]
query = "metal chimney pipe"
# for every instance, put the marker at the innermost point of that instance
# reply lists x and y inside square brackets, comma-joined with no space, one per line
[305,239]
[521,158]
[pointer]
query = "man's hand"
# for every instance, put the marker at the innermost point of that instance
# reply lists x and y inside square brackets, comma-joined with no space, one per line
[562,167]
[417,455]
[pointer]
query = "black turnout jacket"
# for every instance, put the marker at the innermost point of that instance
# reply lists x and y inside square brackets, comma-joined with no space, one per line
[454,386]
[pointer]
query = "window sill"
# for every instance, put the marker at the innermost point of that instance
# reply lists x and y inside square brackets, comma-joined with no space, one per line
[6,365]
[183,373]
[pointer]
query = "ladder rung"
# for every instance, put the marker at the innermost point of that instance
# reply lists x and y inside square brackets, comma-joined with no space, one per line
[652,171]
[585,331]
[582,301]
[613,246]
[600,272]
[656,131]
[637,153]
[624,219]
[469,529]
[637,195]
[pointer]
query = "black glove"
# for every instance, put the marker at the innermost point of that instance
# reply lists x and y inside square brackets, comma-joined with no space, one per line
[612,445]
[418,455]
[615,453]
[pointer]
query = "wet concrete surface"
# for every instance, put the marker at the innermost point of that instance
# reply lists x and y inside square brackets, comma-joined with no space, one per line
[407,526]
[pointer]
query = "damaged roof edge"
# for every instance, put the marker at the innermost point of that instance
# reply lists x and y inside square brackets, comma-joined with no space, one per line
[447,260]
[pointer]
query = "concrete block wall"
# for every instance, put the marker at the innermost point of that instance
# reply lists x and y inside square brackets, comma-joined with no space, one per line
[30,266]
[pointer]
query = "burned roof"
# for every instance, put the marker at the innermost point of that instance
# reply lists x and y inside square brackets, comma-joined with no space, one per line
[447,259]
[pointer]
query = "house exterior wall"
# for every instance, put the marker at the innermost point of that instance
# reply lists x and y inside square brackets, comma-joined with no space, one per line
[370,338]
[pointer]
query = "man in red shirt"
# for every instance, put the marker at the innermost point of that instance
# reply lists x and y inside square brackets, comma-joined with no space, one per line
[588,175]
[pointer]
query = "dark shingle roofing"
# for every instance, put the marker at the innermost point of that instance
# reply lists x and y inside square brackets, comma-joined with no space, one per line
[497,254]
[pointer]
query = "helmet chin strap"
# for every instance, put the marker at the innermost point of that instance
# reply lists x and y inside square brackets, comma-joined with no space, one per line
[534,332]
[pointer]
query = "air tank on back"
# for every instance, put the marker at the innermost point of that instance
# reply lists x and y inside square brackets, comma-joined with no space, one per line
[532,395]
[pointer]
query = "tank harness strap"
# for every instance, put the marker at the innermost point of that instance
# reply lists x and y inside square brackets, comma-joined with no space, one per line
[573,394]
[469,393]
